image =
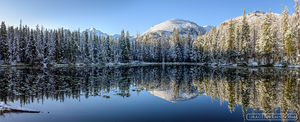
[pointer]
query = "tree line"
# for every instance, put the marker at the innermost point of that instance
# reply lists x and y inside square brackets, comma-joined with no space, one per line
[273,41]
[22,45]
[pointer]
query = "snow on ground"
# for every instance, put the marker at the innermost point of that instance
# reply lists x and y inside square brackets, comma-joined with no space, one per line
[5,107]
[254,64]
[294,66]
[278,65]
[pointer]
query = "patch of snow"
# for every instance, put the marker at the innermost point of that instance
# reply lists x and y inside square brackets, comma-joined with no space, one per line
[4,106]
[254,64]
[294,66]
[214,64]
[278,65]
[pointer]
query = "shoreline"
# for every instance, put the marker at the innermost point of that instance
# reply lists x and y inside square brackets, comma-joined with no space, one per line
[134,64]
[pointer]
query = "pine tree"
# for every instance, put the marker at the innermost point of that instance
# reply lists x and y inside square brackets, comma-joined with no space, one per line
[187,48]
[11,40]
[124,47]
[230,42]
[178,47]
[266,42]
[107,49]
[68,47]
[238,43]
[22,50]
[245,38]
[158,51]
[285,25]
[87,56]
[297,13]
[16,40]
[128,46]
[95,48]
[32,50]
[4,44]
[38,45]
[46,47]
[288,37]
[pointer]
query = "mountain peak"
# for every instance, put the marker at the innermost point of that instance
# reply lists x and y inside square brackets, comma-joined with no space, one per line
[92,29]
[167,27]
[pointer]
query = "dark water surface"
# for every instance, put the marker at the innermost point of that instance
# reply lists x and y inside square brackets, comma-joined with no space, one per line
[149,93]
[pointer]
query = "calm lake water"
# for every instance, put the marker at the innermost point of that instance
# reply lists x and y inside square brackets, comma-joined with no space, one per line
[149,94]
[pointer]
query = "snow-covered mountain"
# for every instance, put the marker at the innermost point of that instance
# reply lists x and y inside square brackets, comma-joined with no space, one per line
[254,19]
[102,34]
[98,32]
[183,26]
[207,28]
[169,95]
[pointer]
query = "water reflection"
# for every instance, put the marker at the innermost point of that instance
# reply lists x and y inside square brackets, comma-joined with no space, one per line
[262,89]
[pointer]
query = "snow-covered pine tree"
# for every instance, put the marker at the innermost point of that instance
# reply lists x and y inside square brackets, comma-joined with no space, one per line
[57,49]
[134,50]
[166,55]
[158,50]
[124,57]
[289,35]
[68,46]
[178,54]
[32,50]
[46,47]
[112,45]
[297,14]
[115,49]
[38,45]
[214,46]
[108,50]
[223,48]
[22,43]
[80,48]
[230,43]
[128,46]
[26,33]
[87,56]
[95,48]
[238,42]
[245,39]
[276,43]
[266,42]
[4,44]
[200,48]
[15,57]
[187,47]
[74,50]
[194,52]
[10,38]
[145,49]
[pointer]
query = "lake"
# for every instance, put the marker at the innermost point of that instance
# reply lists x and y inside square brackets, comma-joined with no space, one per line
[161,93]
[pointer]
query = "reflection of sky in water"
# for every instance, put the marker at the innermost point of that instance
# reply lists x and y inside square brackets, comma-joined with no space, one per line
[175,96]
[138,107]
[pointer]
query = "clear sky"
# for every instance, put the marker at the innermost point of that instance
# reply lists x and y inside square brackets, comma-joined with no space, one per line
[111,16]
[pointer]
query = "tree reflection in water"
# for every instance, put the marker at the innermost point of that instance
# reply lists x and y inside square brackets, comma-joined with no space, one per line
[264,89]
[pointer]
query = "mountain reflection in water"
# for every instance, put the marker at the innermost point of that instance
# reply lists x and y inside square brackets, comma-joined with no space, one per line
[261,89]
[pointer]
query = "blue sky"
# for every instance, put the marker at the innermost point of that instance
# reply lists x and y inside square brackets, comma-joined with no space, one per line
[111,16]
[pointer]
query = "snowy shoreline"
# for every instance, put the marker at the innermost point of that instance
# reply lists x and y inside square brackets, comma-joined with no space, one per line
[4,108]
[133,64]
